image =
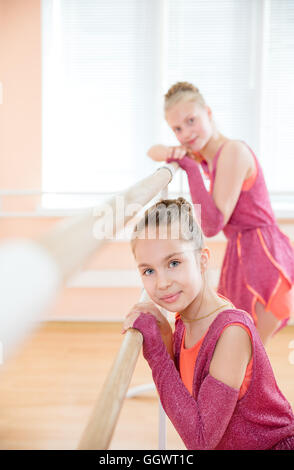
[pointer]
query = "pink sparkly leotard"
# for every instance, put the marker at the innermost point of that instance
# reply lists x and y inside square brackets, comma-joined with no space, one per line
[214,416]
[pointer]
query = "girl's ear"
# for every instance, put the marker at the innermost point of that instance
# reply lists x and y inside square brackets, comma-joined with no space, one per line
[204,258]
[209,112]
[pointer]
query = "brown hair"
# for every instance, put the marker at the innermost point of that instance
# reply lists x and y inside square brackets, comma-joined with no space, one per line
[167,213]
[182,90]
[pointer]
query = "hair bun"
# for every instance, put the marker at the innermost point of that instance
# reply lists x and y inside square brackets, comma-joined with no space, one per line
[183,202]
[182,90]
[181,86]
[166,212]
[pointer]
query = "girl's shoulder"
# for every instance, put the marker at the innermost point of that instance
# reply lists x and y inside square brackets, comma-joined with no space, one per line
[235,155]
[237,149]
[239,312]
[234,328]
[232,317]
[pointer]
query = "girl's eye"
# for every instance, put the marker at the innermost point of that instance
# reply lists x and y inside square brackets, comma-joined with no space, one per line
[177,129]
[191,120]
[149,271]
[175,262]
[146,271]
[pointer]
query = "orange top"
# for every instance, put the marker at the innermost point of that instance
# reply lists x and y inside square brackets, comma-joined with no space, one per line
[188,359]
[249,182]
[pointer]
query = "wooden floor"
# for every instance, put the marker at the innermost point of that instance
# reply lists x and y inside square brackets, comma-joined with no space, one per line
[49,386]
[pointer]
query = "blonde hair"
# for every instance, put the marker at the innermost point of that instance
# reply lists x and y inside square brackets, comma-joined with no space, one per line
[166,213]
[182,90]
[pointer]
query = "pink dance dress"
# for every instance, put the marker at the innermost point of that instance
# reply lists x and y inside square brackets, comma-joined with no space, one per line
[258,263]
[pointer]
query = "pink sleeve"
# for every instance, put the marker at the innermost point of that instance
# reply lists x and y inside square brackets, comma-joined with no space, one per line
[200,423]
[212,219]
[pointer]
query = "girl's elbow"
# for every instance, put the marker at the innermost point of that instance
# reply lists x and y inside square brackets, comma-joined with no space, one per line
[201,443]
[211,230]
[215,224]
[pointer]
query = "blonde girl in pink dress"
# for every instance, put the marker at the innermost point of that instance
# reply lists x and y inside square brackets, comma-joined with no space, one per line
[257,273]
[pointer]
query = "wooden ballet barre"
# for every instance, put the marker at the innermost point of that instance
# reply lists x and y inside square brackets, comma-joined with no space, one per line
[99,430]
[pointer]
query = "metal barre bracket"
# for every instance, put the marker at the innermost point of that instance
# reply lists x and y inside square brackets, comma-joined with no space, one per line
[170,168]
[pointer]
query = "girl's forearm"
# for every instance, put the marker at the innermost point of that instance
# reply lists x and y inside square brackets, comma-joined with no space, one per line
[212,219]
[158,152]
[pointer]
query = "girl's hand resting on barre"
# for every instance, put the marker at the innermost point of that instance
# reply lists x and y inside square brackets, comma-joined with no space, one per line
[151,309]
[164,327]
[178,152]
[160,153]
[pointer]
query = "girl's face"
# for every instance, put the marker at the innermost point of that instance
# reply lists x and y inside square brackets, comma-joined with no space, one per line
[191,124]
[170,271]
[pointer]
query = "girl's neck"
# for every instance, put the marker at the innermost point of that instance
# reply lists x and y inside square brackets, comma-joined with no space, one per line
[209,150]
[202,306]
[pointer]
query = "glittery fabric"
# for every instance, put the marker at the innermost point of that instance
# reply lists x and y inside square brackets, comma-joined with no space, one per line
[285,444]
[213,418]
[254,239]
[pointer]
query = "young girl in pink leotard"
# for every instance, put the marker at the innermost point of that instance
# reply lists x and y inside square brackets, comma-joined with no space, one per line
[257,274]
[212,374]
